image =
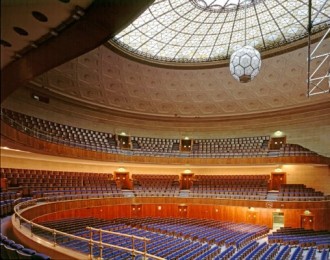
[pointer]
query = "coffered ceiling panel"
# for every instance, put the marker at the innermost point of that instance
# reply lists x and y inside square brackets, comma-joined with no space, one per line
[109,80]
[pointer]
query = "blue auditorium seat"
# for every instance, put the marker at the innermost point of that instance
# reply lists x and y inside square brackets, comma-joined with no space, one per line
[310,254]
[296,253]
[283,252]
[27,251]
[325,254]
[269,252]
[8,242]
[225,253]
[11,252]
[3,250]
[17,246]
[23,256]
[40,256]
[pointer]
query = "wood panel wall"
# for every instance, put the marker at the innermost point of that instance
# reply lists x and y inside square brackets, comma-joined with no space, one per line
[217,209]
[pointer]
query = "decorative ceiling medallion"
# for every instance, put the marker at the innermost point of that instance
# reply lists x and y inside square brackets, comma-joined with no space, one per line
[224,5]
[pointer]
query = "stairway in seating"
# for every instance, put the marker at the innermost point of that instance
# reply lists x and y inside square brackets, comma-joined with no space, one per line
[128,193]
[184,193]
[272,195]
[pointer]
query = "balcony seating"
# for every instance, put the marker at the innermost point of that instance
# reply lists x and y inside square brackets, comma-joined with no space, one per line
[13,251]
[299,192]
[26,183]
[154,145]
[230,186]
[156,185]
[256,146]
[232,147]
[59,133]
[42,183]
[295,150]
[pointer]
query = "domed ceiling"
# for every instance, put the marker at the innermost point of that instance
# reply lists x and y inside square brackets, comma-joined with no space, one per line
[190,31]
[106,79]
[194,32]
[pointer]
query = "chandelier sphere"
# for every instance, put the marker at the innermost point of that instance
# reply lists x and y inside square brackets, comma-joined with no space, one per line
[245,64]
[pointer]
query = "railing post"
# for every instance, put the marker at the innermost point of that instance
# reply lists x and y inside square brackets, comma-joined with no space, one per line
[91,243]
[101,246]
[19,220]
[133,248]
[31,227]
[145,248]
[54,236]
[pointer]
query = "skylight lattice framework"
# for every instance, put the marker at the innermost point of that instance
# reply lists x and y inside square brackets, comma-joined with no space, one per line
[318,71]
[179,31]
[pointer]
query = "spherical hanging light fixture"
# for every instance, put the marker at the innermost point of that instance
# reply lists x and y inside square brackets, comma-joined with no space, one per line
[245,64]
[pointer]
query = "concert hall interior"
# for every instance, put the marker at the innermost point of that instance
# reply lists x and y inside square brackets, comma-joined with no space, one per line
[165,129]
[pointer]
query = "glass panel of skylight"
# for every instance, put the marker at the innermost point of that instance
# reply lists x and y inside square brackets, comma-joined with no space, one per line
[205,31]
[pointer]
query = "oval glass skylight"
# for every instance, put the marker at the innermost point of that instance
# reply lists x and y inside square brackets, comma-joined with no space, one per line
[189,31]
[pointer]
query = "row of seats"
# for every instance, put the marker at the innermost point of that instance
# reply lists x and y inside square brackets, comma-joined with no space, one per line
[7,206]
[201,230]
[10,250]
[245,196]
[181,245]
[8,195]
[156,185]
[230,186]
[235,177]
[299,192]
[145,146]
[155,145]
[299,236]
[49,174]
[174,238]
[295,150]
[236,145]
[30,182]
[160,244]
[33,182]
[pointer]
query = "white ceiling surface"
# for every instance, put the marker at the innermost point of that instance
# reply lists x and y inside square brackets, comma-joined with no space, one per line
[104,78]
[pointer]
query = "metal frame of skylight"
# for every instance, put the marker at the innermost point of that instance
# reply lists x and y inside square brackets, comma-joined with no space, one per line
[264,45]
[317,84]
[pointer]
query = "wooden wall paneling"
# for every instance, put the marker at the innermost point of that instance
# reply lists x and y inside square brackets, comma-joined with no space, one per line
[277,179]
[114,208]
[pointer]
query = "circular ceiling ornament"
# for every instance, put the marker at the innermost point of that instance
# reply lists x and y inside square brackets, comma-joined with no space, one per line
[245,64]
